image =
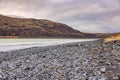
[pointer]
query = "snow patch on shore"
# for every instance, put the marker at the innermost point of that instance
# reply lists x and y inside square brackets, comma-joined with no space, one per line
[23,45]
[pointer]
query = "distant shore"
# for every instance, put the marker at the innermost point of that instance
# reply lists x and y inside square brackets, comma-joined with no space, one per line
[93,60]
[16,37]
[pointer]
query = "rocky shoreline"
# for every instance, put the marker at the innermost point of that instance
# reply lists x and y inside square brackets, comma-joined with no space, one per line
[93,60]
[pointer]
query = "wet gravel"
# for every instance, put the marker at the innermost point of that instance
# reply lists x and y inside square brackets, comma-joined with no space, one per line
[94,60]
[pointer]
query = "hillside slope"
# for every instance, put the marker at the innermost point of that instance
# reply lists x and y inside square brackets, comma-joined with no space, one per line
[40,28]
[114,37]
[35,28]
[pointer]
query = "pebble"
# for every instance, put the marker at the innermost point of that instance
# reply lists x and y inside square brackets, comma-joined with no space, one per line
[115,78]
[103,69]
[93,78]
[1,76]
[103,79]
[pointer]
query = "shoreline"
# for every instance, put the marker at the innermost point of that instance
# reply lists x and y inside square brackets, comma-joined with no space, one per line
[13,44]
[92,60]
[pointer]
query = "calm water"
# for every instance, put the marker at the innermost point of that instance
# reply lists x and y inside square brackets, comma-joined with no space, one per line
[15,44]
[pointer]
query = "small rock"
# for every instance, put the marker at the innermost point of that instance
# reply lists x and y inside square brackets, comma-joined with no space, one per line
[1,76]
[103,69]
[93,78]
[11,66]
[0,71]
[115,78]
[108,62]
[29,68]
[103,79]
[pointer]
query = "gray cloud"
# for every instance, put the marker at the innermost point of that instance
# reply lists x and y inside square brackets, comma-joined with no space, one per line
[84,15]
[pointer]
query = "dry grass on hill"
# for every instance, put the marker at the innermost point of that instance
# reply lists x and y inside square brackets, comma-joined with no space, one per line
[115,37]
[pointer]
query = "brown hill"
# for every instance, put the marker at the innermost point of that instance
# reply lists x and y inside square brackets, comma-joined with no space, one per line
[35,28]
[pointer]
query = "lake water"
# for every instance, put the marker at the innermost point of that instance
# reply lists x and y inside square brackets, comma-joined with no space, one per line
[15,44]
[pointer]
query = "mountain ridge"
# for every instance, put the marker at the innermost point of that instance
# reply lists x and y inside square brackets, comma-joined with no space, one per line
[37,28]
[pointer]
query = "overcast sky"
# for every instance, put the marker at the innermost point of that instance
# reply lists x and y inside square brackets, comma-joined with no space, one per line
[83,15]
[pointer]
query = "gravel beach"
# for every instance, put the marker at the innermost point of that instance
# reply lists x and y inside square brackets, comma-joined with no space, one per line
[93,60]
